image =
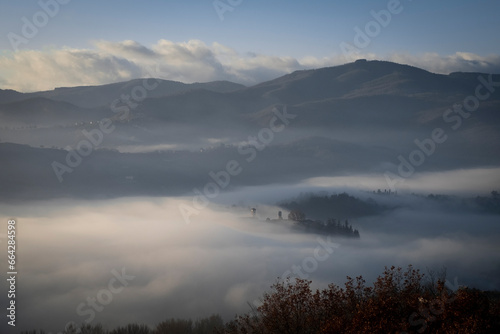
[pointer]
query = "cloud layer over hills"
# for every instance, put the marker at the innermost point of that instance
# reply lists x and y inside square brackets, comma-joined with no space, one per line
[191,61]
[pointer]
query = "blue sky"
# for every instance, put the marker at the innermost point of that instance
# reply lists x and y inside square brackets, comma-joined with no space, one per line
[302,30]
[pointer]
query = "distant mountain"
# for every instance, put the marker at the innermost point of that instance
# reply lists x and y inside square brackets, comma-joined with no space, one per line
[367,88]
[361,78]
[354,118]
[102,96]
[9,95]
[43,112]
[370,93]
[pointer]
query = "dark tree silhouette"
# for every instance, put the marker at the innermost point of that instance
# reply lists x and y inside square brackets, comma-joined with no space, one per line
[296,215]
[398,302]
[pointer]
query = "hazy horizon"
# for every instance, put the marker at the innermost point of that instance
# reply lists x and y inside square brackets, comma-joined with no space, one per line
[151,184]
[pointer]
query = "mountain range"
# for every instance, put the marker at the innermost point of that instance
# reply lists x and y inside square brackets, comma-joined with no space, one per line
[167,136]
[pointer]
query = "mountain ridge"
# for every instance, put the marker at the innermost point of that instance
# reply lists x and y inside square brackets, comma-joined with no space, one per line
[357,100]
[228,86]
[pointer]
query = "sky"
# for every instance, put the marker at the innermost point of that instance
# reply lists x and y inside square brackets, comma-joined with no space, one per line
[52,43]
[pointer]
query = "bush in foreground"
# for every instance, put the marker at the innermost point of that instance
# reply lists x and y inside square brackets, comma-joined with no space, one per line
[398,302]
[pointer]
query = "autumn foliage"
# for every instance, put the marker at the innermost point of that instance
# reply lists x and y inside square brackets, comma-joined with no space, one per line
[398,302]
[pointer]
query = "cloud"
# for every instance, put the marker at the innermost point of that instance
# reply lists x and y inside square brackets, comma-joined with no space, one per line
[43,70]
[458,62]
[465,181]
[191,61]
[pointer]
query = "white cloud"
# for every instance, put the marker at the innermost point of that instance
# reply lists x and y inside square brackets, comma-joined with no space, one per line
[43,70]
[192,61]
[458,62]
[466,181]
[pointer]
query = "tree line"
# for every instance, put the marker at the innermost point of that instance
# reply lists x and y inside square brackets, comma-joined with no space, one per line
[341,205]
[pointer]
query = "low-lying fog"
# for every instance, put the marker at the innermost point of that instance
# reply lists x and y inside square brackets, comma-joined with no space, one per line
[70,254]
